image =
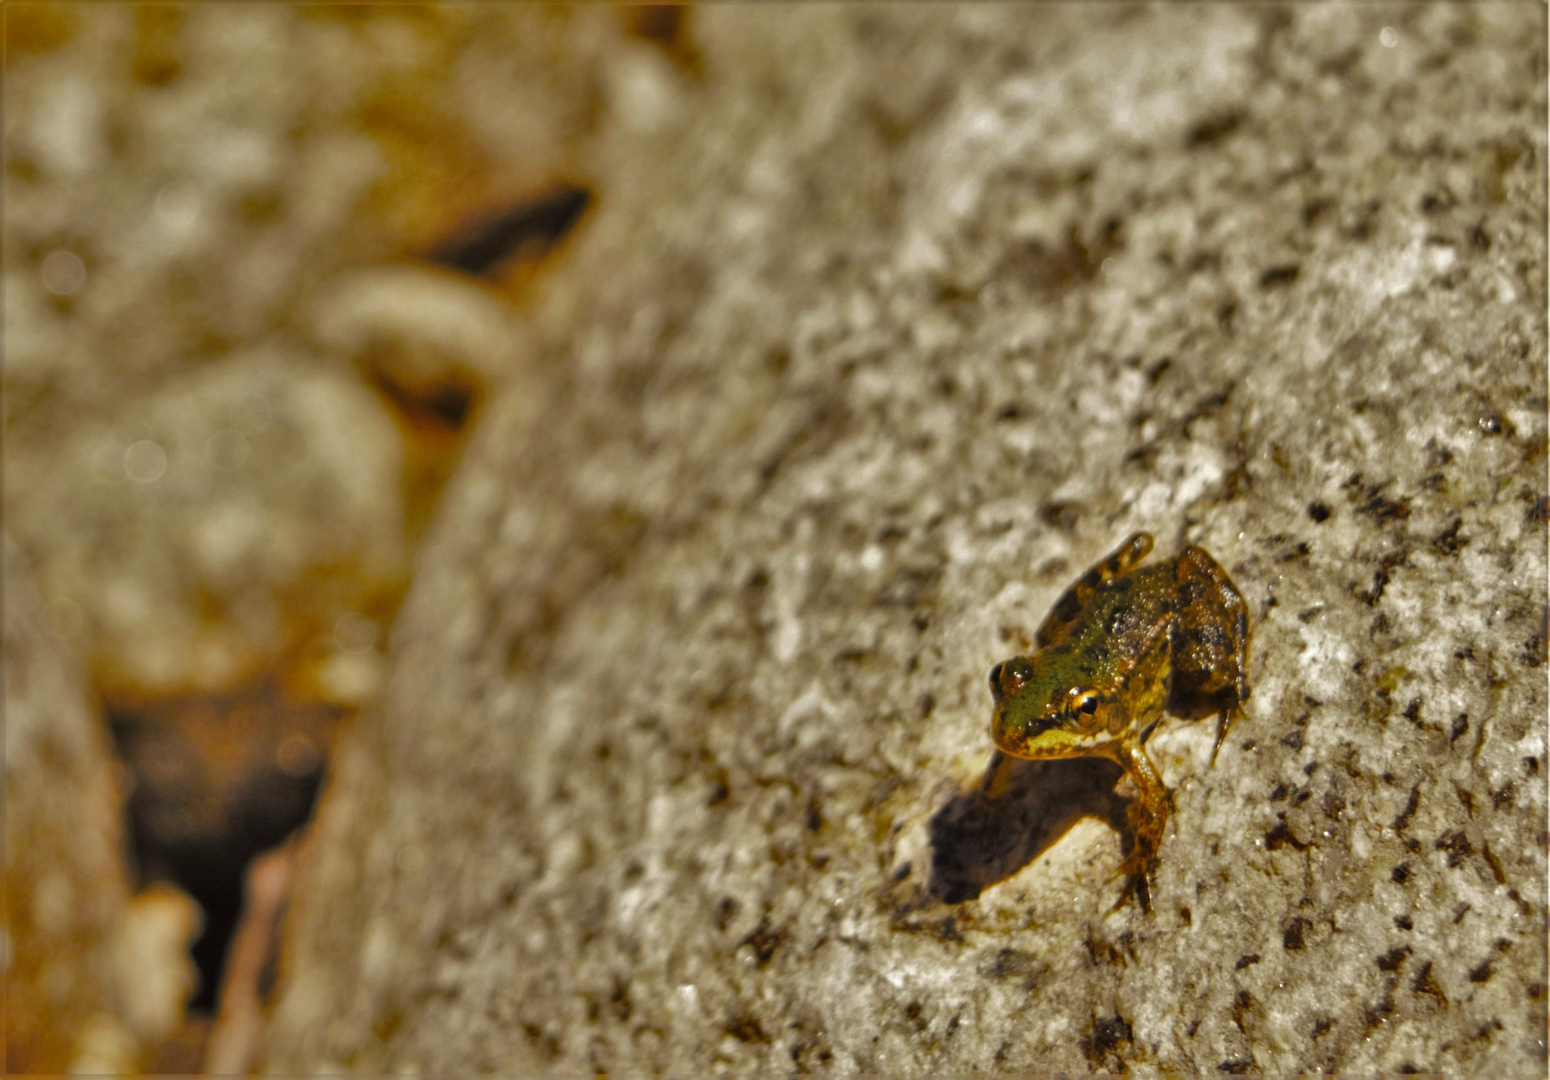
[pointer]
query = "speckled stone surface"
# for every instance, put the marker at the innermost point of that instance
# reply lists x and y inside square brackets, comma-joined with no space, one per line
[206,213]
[66,885]
[916,314]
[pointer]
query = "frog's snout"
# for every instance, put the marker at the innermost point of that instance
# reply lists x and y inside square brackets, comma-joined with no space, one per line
[1014,734]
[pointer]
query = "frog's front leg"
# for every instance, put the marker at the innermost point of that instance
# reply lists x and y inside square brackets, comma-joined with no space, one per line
[1074,599]
[1147,816]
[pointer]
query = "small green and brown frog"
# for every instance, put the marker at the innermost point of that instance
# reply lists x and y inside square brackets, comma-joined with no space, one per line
[1125,644]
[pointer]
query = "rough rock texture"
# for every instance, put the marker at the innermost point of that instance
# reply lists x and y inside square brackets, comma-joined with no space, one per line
[196,461]
[202,530]
[918,313]
[65,880]
[93,977]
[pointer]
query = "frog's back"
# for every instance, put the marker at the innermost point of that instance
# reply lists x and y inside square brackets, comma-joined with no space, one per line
[1117,622]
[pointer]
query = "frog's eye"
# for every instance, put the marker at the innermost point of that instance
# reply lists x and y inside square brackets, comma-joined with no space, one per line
[1009,676]
[1085,703]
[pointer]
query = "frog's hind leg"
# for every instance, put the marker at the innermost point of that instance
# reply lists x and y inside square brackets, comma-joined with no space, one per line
[1074,599]
[1210,644]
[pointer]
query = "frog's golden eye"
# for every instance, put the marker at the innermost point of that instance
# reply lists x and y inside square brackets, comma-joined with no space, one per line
[1085,703]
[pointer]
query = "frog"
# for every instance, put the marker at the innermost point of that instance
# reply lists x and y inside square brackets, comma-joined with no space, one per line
[1123,646]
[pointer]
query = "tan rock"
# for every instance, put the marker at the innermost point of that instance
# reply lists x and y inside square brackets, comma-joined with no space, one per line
[919,312]
[66,884]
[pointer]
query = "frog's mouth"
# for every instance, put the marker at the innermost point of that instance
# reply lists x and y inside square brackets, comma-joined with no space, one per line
[1043,737]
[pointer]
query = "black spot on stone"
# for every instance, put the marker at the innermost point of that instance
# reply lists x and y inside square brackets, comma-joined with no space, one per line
[1012,964]
[1371,499]
[1061,515]
[1448,542]
[1242,1002]
[1104,1038]
[1403,817]
[1245,961]
[1460,725]
[619,1001]
[1379,1010]
[1277,277]
[1281,836]
[1403,922]
[764,941]
[1482,973]
[1457,845]
[1314,209]
[1533,654]
[1400,874]
[1293,936]
[1382,576]
[1318,512]
[1213,129]
[1422,982]
[746,1029]
[537,224]
[1391,960]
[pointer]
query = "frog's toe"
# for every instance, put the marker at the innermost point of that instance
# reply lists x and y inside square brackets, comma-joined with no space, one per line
[1224,723]
[1139,880]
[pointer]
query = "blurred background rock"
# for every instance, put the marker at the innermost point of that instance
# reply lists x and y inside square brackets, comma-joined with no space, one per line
[263,266]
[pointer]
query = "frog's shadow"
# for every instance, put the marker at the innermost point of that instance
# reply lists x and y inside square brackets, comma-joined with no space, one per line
[1017,811]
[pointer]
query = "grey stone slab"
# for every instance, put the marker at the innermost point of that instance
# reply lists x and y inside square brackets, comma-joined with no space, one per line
[906,317]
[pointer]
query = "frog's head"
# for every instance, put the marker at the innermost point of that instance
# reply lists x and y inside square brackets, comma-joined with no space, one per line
[1045,710]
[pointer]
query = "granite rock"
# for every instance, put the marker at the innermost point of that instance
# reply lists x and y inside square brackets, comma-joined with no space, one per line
[907,317]
[192,538]
[94,977]
[208,213]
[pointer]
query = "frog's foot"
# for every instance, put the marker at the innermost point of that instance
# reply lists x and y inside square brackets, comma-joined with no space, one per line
[1139,868]
[1138,885]
[1139,876]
